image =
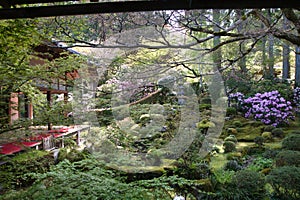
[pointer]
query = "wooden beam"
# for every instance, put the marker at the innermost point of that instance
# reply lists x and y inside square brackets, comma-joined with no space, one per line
[136,6]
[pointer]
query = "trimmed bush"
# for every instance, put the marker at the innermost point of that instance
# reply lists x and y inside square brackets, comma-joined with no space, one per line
[291,142]
[267,136]
[231,111]
[259,140]
[268,128]
[231,138]
[250,183]
[285,182]
[206,101]
[232,165]
[288,157]
[229,146]
[277,132]
[232,131]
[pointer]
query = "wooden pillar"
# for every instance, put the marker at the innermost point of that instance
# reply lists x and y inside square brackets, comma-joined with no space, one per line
[66,101]
[13,108]
[49,103]
[30,111]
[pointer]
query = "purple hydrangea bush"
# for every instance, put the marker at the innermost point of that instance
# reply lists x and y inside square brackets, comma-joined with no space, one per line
[236,99]
[296,98]
[269,107]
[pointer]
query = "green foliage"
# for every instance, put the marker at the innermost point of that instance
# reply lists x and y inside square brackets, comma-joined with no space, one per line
[88,179]
[260,163]
[277,132]
[17,37]
[231,111]
[205,124]
[285,182]
[259,140]
[269,128]
[205,100]
[229,146]
[13,173]
[237,123]
[223,176]
[271,85]
[250,183]
[238,80]
[192,171]
[231,138]
[72,155]
[288,157]
[267,136]
[204,107]
[291,142]
[232,165]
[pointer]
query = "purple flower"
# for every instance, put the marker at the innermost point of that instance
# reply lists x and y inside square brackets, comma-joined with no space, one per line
[269,107]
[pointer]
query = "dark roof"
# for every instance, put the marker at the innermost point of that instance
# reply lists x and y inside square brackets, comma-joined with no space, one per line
[12,9]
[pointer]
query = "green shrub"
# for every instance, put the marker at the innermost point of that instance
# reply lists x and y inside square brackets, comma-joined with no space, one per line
[267,136]
[295,132]
[204,107]
[291,142]
[252,150]
[191,171]
[206,101]
[232,165]
[259,140]
[285,182]
[12,173]
[269,128]
[277,132]
[250,183]
[288,157]
[232,131]
[260,163]
[229,146]
[270,153]
[231,138]
[234,156]
[231,111]
[72,155]
[271,85]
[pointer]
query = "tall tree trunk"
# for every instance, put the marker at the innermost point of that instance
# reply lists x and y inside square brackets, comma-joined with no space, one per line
[217,55]
[286,62]
[264,57]
[242,61]
[285,54]
[270,52]
[297,67]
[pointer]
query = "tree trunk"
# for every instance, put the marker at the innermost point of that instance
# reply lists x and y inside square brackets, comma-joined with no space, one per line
[270,52]
[297,67]
[242,61]
[217,55]
[270,73]
[285,54]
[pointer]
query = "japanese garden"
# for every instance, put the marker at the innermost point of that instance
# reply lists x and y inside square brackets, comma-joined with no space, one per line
[181,104]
